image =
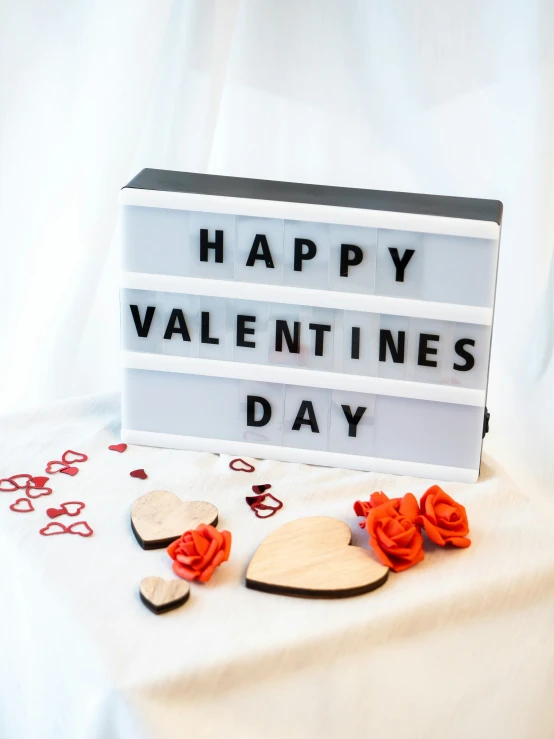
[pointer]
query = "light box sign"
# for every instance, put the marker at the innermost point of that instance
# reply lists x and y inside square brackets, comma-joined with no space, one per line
[306,323]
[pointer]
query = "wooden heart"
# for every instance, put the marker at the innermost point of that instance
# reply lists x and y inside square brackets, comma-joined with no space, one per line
[160,517]
[312,557]
[163,595]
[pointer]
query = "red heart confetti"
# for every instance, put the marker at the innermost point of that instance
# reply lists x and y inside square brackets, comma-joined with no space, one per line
[7,485]
[38,482]
[256,503]
[53,529]
[239,465]
[70,471]
[71,508]
[21,480]
[118,447]
[259,489]
[55,466]
[81,528]
[22,505]
[141,474]
[37,492]
[71,457]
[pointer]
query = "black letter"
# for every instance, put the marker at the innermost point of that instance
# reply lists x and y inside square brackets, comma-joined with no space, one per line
[353,420]
[282,329]
[205,337]
[306,406]
[461,352]
[265,256]
[177,325]
[355,351]
[357,256]
[319,329]
[242,331]
[299,255]
[400,264]
[142,328]
[251,401]
[205,245]
[424,350]
[385,339]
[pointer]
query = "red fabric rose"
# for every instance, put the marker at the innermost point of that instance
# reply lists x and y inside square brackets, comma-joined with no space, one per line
[393,534]
[362,508]
[197,553]
[444,520]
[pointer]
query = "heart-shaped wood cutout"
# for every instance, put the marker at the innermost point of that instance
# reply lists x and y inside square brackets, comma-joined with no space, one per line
[160,517]
[312,557]
[161,595]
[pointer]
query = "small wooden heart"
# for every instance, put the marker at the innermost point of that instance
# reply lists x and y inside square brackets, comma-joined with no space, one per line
[312,557]
[160,517]
[163,595]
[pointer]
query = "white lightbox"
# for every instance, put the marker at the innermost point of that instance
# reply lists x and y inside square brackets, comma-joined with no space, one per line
[259,318]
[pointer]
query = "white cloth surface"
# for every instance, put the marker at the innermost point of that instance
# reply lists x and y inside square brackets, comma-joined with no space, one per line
[459,646]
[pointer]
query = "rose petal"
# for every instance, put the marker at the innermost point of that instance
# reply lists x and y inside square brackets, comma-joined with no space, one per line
[184,572]
[172,548]
[431,530]
[460,541]
[227,540]
[409,507]
[200,542]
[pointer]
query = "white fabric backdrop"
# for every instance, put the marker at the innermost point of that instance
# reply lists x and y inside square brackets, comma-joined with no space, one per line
[453,97]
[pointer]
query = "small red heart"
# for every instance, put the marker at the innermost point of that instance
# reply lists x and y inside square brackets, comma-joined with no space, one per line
[38,482]
[239,465]
[260,488]
[81,528]
[37,492]
[71,457]
[70,471]
[22,505]
[7,485]
[53,529]
[118,447]
[141,474]
[21,480]
[54,512]
[55,466]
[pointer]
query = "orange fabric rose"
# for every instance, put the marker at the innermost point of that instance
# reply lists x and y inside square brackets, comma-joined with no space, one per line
[393,534]
[444,520]
[197,553]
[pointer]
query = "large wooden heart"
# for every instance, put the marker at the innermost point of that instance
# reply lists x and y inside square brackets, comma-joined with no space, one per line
[160,517]
[312,557]
[161,595]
